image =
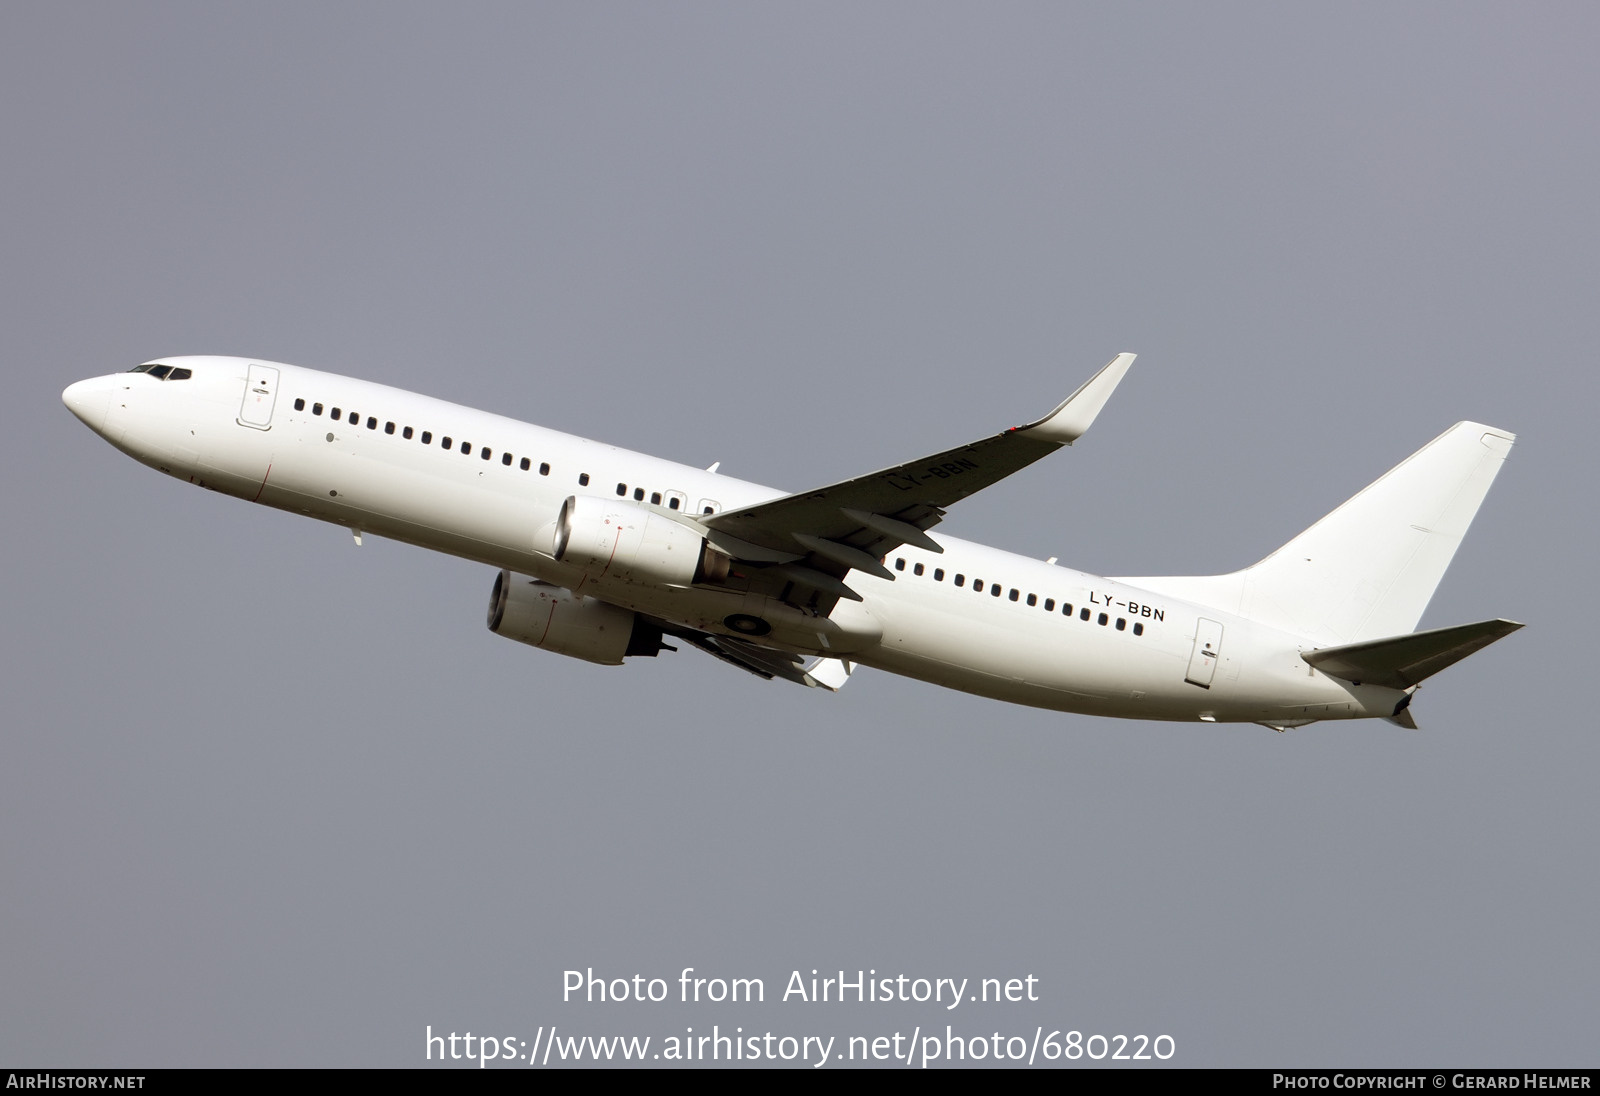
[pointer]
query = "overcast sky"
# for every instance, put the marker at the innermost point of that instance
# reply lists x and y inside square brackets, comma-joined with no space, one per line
[272,799]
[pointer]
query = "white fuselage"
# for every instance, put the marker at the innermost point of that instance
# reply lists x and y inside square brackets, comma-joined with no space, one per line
[972,618]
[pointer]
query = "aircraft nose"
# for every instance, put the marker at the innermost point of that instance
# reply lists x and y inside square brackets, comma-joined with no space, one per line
[89,400]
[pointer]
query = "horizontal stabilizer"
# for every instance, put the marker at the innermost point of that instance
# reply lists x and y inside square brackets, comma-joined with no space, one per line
[1400,662]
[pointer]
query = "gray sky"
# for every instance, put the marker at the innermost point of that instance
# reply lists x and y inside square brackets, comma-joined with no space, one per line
[270,799]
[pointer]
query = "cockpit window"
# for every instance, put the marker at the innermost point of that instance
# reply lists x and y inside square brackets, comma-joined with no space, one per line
[163,372]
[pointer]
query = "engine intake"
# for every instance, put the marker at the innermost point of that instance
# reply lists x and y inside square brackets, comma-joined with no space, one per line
[552,618]
[614,539]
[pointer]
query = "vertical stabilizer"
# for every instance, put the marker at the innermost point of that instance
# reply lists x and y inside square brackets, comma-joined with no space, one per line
[1368,569]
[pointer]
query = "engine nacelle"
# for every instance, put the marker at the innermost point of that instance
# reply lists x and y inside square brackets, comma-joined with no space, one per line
[614,539]
[552,618]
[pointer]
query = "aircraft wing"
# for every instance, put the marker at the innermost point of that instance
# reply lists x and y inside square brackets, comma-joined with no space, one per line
[765,662]
[853,524]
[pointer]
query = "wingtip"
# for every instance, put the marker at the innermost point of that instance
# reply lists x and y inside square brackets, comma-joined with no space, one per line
[1074,415]
[831,674]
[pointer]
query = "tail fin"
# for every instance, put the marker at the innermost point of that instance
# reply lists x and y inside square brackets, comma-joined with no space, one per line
[1368,569]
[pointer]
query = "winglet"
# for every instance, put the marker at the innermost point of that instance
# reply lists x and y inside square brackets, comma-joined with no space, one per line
[829,673]
[1070,421]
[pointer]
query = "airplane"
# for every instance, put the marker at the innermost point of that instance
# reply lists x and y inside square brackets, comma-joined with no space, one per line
[604,554]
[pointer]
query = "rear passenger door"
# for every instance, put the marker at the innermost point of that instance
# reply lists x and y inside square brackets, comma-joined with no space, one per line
[1207,649]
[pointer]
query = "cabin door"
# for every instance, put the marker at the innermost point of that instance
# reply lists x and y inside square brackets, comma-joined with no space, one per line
[260,393]
[1207,648]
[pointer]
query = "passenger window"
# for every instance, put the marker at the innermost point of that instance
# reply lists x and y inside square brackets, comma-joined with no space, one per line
[505,459]
[709,506]
[1122,624]
[446,443]
[1084,615]
[1138,629]
[655,498]
[1033,599]
[977,584]
[406,433]
[1014,594]
[526,464]
[299,404]
[583,479]
[334,413]
[388,428]
[917,570]
[427,437]
[355,418]
[1049,604]
[372,423]
[672,503]
[899,565]
[961,580]
[938,574]
[638,494]
[544,469]
[1102,620]
[622,490]
[316,409]
[488,453]
[994,591]
[466,447]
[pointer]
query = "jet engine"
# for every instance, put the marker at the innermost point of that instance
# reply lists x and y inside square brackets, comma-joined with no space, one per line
[614,539]
[554,619]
